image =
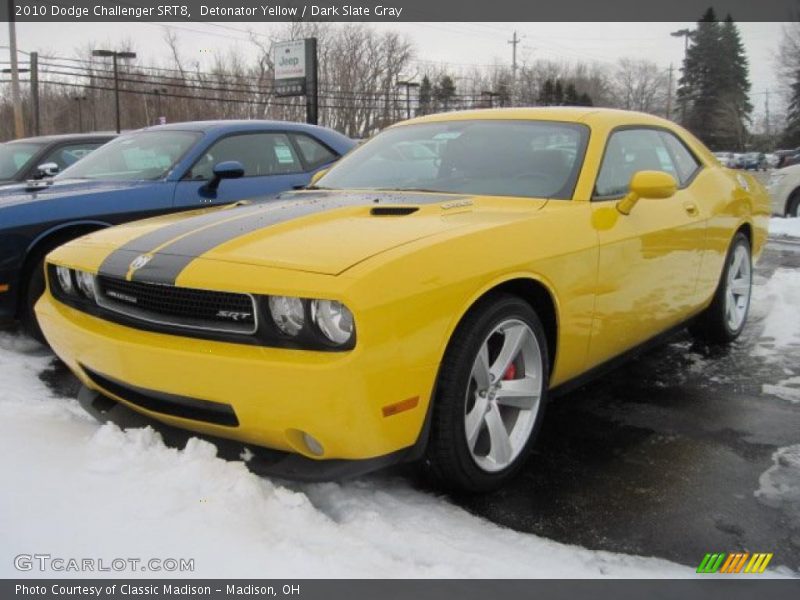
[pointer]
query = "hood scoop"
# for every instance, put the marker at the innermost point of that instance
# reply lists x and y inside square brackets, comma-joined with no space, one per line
[393,211]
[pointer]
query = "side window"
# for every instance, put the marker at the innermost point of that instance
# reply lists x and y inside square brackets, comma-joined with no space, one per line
[314,153]
[65,156]
[685,162]
[261,154]
[627,152]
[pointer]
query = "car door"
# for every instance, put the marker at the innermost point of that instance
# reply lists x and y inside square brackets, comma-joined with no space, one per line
[271,165]
[649,259]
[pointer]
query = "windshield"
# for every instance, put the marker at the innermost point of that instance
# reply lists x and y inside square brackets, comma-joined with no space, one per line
[144,155]
[538,159]
[13,157]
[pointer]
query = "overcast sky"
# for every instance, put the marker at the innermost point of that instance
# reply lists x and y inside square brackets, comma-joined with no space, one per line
[460,44]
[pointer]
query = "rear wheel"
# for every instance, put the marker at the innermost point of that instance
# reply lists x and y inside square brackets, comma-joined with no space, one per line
[490,396]
[725,318]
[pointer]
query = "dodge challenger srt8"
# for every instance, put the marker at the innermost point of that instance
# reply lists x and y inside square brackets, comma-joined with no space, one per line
[145,173]
[415,304]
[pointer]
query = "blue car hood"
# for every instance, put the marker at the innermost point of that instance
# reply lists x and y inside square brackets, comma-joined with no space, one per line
[66,188]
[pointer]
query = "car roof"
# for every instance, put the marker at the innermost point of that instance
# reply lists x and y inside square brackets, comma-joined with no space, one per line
[64,137]
[231,125]
[570,114]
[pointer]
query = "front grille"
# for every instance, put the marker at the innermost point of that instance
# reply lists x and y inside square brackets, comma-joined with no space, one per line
[168,404]
[190,308]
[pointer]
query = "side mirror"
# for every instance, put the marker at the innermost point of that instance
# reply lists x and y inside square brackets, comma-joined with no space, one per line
[647,184]
[318,175]
[48,169]
[229,169]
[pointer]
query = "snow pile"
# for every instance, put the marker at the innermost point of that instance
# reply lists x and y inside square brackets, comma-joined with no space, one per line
[779,227]
[789,389]
[779,486]
[74,488]
[777,301]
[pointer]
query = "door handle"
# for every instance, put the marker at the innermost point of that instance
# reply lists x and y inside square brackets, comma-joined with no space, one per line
[691,209]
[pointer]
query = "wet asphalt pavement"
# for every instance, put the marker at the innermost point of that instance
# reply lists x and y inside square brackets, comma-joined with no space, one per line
[658,458]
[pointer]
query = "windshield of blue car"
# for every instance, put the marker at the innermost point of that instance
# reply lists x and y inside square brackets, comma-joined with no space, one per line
[537,159]
[144,155]
[14,156]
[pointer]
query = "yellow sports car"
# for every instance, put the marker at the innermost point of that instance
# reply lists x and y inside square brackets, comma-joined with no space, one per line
[423,298]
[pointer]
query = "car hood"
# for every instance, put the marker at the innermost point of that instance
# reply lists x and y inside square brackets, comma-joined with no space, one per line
[63,188]
[314,231]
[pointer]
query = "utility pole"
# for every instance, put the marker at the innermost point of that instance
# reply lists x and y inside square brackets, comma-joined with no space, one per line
[34,64]
[115,56]
[79,100]
[514,41]
[408,85]
[669,93]
[16,98]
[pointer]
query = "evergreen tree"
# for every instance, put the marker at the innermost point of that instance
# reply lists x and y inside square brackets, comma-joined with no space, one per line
[558,93]
[546,93]
[585,100]
[425,96]
[791,135]
[445,92]
[713,88]
[571,95]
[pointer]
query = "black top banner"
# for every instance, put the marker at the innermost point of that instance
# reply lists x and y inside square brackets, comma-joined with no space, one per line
[396,10]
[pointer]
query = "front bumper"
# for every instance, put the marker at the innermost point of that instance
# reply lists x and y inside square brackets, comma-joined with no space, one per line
[276,394]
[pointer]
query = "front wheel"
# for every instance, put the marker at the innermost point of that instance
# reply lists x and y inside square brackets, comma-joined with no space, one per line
[725,318]
[490,396]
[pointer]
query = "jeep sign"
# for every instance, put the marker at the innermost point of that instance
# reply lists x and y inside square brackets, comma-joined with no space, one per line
[289,60]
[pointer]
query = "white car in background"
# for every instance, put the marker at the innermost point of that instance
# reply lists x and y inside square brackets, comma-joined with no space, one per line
[784,189]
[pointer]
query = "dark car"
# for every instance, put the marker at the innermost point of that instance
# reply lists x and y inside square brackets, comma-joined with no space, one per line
[754,161]
[44,156]
[144,173]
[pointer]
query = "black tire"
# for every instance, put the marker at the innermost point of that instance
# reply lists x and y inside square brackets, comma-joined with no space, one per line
[793,205]
[712,325]
[449,463]
[33,290]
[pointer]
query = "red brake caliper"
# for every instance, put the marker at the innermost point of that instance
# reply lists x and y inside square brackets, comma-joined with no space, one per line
[511,372]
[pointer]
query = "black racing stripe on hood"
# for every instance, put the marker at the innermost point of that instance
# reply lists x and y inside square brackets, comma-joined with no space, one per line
[167,264]
[118,262]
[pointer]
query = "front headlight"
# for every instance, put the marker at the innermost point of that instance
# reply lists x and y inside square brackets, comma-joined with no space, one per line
[334,320]
[312,322]
[64,277]
[86,284]
[288,314]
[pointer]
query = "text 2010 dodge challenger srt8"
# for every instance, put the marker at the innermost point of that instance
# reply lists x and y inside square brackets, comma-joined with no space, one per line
[422,298]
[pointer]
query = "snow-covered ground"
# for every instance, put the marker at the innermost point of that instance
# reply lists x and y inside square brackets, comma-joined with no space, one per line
[780,227]
[74,488]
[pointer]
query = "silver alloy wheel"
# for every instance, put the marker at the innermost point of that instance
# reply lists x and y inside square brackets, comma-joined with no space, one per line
[739,285]
[503,395]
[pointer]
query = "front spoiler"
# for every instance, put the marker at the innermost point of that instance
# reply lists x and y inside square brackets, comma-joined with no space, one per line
[261,461]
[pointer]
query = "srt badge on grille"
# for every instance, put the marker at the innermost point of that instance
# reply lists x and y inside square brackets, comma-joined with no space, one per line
[140,261]
[233,315]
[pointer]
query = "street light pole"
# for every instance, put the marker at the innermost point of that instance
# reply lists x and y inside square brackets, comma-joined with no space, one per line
[685,34]
[115,56]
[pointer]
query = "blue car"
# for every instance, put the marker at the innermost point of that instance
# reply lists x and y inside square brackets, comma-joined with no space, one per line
[149,172]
